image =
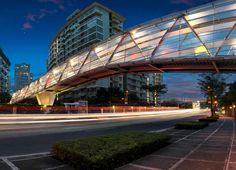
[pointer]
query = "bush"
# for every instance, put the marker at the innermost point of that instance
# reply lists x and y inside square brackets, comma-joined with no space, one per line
[215,116]
[191,125]
[108,152]
[209,119]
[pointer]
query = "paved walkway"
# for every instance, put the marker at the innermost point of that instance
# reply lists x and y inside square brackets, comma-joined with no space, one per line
[212,148]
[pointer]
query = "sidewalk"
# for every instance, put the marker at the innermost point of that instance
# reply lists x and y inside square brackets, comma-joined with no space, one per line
[212,148]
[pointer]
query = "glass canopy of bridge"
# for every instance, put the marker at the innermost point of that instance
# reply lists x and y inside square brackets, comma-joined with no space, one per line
[205,31]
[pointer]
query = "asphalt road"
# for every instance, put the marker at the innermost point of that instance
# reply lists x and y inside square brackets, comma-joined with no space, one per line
[37,138]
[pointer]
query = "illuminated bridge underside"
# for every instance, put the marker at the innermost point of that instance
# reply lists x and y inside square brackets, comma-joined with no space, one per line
[200,39]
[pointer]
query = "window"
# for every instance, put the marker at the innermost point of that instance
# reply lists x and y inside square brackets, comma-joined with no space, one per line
[99,29]
[91,23]
[91,30]
[99,36]
[99,22]
[91,37]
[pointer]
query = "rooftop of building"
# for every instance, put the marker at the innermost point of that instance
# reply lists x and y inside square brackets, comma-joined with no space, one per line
[78,12]
[4,57]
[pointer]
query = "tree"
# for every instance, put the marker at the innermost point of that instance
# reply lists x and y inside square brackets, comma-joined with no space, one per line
[115,95]
[107,96]
[133,99]
[229,99]
[213,87]
[102,97]
[4,97]
[156,90]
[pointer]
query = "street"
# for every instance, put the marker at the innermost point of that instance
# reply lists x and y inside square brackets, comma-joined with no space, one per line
[21,139]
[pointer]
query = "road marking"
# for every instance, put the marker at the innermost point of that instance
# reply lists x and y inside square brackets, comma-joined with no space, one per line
[56,167]
[30,158]
[198,146]
[226,166]
[144,167]
[161,130]
[10,164]
[25,155]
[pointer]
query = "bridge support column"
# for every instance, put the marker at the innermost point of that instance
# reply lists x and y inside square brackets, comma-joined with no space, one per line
[46,98]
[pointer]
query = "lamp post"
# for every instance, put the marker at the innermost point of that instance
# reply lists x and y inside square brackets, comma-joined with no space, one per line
[126,97]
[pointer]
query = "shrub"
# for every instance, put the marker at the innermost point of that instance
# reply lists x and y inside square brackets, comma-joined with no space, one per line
[208,119]
[108,152]
[191,125]
[215,116]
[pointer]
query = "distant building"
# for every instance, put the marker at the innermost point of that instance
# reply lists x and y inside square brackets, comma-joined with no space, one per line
[22,76]
[4,72]
[84,28]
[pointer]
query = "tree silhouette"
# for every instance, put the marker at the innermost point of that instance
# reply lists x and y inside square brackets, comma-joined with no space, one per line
[5,97]
[213,87]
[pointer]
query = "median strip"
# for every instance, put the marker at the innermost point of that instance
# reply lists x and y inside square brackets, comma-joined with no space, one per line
[110,151]
[191,125]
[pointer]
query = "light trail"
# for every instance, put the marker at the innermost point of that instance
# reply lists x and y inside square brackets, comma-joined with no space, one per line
[32,119]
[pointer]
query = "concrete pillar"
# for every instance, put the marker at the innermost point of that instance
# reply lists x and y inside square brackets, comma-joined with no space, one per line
[46,98]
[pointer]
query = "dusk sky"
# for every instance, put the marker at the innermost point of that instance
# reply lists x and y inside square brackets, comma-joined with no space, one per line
[27,26]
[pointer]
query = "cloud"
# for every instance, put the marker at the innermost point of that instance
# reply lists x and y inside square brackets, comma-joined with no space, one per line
[59,3]
[186,2]
[182,85]
[26,26]
[44,12]
[31,17]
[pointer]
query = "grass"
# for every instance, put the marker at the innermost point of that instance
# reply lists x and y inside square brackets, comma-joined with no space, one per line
[110,151]
[191,125]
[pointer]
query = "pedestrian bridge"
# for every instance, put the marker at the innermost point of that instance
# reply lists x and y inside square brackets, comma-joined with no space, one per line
[197,40]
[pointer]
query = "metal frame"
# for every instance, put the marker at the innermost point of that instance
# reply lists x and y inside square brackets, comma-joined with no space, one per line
[209,53]
[147,42]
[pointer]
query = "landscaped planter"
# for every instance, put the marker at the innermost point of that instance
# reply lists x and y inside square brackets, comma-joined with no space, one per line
[191,125]
[108,152]
[209,119]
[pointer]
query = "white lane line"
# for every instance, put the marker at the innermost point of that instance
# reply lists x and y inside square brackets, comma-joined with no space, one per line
[30,158]
[10,164]
[56,167]
[161,130]
[144,167]
[26,155]
[184,158]
[226,166]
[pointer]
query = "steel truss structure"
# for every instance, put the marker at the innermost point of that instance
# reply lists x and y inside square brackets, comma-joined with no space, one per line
[199,39]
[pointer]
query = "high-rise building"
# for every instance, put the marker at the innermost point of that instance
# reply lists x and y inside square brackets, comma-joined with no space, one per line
[84,28]
[4,72]
[22,76]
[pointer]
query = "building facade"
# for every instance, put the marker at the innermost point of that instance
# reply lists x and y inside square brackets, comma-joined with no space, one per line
[23,76]
[4,72]
[84,28]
